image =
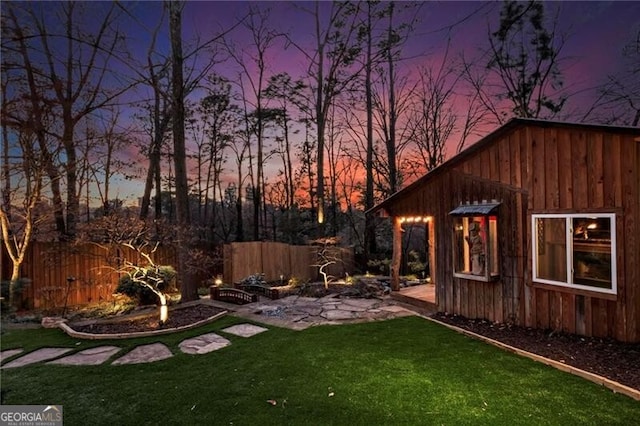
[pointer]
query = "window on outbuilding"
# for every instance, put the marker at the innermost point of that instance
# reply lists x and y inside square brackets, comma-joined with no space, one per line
[575,250]
[475,241]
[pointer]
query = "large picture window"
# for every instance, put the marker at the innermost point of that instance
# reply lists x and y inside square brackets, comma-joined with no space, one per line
[476,247]
[575,250]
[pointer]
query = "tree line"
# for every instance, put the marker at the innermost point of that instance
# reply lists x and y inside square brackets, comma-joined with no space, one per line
[229,146]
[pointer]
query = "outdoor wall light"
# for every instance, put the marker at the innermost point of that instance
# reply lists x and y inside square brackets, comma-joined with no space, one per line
[415,219]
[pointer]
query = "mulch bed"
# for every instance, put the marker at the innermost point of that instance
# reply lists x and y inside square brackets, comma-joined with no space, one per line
[177,318]
[608,358]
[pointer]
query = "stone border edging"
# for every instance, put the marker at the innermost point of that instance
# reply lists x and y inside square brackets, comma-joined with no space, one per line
[119,336]
[603,381]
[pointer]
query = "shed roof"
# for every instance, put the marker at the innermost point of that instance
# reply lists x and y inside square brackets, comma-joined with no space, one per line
[492,137]
[482,209]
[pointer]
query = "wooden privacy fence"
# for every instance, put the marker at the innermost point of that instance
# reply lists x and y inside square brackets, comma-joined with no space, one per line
[280,261]
[62,273]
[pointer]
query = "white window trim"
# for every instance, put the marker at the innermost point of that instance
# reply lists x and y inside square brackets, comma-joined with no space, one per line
[569,246]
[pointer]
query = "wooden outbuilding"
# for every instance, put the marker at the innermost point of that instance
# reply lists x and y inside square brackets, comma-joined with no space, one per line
[538,225]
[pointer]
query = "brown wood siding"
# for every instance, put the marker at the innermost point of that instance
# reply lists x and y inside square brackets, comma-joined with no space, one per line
[541,169]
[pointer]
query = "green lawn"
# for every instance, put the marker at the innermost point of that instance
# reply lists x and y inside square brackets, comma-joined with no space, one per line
[405,371]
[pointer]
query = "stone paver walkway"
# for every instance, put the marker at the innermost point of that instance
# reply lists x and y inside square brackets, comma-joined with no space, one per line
[37,356]
[93,356]
[9,353]
[244,330]
[293,312]
[203,344]
[145,353]
[299,313]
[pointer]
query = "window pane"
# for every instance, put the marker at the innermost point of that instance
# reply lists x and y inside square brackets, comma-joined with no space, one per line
[493,245]
[470,256]
[592,251]
[461,252]
[551,249]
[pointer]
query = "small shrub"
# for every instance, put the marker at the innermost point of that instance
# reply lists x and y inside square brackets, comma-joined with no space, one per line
[18,289]
[294,282]
[255,279]
[161,278]
[381,266]
[415,265]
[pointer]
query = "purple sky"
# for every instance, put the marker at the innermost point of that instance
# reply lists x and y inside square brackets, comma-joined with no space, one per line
[595,32]
[595,29]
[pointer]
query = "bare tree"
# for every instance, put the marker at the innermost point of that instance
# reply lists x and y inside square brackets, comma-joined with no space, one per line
[288,94]
[159,112]
[188,286]
[524,56]
[120,231]
[262,39]
[21,210]
[28,154]
[219,118]
[336,48]
[618,98]
[104,141]
[76,72]
[198,59]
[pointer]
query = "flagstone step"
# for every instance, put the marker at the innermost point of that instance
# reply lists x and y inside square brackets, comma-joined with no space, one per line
[92,356]
[39,355]
[145,353]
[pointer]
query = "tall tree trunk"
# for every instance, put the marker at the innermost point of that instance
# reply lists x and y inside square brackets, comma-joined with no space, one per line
[153,173]
[320,123]
[73,201]
[6,173]
[239,219]
[148,186]
[37,121]
[391,141]
[369,232]
[188,286]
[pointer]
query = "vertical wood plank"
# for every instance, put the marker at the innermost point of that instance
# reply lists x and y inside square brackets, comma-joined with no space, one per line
[555,310]
[526,161]
[539,165]
[472,299]
[523,276]
[565,180]
[489,311]
[494,161]
[611,172]
[595,170]
[530,310]
[580,325]
[569,313]
[552,191]
[542,308]
[464,297]
[599,314]
[579,169]
[631,247]
[504,160]
[588,316]
[514,160]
